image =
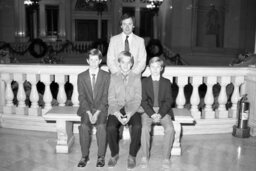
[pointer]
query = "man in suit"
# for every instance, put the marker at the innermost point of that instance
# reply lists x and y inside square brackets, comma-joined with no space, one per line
[93,87]
[156,102]
[127,41]
[124,101]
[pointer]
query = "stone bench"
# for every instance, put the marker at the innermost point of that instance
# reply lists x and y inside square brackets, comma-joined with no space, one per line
[65,116]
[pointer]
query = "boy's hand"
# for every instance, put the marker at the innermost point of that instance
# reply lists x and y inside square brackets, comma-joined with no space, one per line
[95,117]
[159,117]
[118,115]
[156,118]
[127,118]
[90,115]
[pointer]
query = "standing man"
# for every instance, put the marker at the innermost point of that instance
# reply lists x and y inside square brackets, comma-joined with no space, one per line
[124,99]
[127,41]
[93,97]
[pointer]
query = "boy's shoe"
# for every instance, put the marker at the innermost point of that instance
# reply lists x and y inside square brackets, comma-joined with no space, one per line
[83,161]
[112,161]
[131,162]
[100,161]
[166,164]
[144,162]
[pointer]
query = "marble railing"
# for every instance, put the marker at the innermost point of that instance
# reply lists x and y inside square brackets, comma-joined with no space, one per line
[232,84]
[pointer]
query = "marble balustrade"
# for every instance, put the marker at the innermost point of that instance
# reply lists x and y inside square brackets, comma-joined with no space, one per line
[232,82]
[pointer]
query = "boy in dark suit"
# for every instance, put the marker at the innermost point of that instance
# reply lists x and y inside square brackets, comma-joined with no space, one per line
[156,102]
[93,97]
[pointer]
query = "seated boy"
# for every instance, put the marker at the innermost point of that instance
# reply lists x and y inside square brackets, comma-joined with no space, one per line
[156,103]
[93,97]
[124,99]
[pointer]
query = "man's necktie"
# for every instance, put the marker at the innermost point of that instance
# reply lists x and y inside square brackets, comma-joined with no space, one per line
[93,84]
[126,44]
[125,78]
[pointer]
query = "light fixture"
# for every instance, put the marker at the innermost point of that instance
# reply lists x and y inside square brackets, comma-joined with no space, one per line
[154,5]
[32,4]
[100,5]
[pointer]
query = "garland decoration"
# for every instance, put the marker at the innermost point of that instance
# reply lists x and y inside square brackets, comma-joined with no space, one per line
[7,46]
[38,48]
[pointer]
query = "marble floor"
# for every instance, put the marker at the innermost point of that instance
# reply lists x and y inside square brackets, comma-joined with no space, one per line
[35,151]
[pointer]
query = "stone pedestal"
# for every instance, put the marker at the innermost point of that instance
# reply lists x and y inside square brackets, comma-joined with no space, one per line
[208,114]
[176,148]
[8,109]
[21,110]
[65,136]
[34,112]
[232,113]
[196,114]
[221,114]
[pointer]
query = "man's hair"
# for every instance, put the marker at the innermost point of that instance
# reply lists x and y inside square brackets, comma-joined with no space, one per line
[126,16]
[127,54]
[95,52]
[156,59]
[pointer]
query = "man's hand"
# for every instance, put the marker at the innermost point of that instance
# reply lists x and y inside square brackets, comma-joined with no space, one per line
[95,117]
[156,117]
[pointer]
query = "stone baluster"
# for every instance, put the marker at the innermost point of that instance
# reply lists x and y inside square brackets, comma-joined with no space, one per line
[237,81]
[61,97]
[8,105]
[195,99]
[243,90]
[34,110]
[180,100]
[208,112]
[22,109]
[222,112]
[2,92]
[47,79]
[74,98]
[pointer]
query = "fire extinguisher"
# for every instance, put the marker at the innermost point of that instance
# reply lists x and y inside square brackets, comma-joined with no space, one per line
[241,129]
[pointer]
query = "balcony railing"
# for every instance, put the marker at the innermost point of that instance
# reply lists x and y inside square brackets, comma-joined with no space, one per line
[207,104]
[69,52]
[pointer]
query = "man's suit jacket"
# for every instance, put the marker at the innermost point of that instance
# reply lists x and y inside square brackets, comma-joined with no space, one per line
[164,97]
[100,102]
[137,49]
[121,95]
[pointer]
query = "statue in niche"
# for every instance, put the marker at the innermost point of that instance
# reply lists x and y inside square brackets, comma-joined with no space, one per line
[213,25]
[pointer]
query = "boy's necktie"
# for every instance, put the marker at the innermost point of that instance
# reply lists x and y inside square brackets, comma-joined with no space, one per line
[93,83]
[126,44]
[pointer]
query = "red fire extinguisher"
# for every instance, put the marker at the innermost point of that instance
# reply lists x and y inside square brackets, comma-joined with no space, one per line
[241,129]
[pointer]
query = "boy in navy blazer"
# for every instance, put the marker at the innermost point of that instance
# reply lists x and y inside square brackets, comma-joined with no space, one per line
[156,103]
[93,97]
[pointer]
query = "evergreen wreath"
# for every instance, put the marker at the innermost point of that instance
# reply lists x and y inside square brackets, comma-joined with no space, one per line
[37,48]
[154,48]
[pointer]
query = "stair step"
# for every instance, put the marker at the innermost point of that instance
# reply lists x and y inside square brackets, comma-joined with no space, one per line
[36,123]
